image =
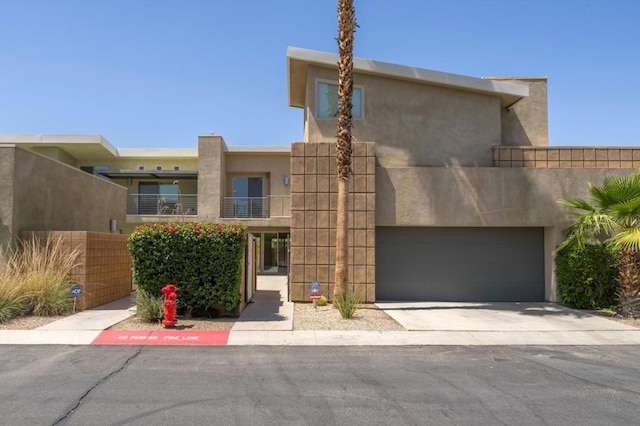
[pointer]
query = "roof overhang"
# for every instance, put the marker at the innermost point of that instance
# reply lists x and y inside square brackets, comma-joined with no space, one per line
[158,153]
[265,150]
[149,174]
[81,147]
[298,61]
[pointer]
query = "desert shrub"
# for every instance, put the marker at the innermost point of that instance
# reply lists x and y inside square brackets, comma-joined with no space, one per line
[347,304]
[203,260]
[35,278]
[587,277]
[149,307]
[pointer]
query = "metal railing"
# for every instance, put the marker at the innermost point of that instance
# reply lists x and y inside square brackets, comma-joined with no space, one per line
[256,207]
[163,204]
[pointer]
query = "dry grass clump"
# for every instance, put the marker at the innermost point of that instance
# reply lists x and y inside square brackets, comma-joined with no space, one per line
[35,278]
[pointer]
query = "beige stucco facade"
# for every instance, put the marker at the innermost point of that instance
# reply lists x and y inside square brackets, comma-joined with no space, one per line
[457,153]
[39,194]
[431,150]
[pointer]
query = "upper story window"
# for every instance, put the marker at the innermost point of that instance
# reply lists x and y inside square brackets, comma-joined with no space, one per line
[327,95]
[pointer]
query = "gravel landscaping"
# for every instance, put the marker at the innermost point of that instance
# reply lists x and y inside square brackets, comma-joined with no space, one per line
[305,317]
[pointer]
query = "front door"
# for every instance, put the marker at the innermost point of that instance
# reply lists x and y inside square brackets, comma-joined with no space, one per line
[276,252]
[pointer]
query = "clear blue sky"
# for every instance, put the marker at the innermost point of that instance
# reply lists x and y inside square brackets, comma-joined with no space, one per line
[161,72]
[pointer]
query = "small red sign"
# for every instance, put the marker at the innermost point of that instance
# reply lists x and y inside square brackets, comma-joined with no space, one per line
[163,337]
[314,296]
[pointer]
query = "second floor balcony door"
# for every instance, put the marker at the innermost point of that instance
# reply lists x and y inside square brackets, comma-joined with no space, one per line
[247,197]
[157,198]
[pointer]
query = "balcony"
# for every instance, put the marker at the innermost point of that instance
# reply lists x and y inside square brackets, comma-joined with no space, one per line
[162,204]
[256,207]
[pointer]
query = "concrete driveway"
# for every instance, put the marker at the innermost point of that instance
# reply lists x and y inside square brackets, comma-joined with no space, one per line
[496,316]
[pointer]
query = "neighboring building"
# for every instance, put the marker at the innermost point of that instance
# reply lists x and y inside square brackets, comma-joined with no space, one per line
[209,183]
[453,196]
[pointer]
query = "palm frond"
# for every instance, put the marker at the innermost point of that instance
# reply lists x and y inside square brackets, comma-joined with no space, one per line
[579,204]
[627,240]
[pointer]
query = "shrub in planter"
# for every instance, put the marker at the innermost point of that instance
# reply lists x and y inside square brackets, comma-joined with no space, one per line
[587,277]
[203,260]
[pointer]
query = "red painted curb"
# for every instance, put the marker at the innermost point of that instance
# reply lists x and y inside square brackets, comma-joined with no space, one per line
[163,338]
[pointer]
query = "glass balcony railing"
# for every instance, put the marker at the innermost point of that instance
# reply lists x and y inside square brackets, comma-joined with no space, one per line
[163,204]
[256,207]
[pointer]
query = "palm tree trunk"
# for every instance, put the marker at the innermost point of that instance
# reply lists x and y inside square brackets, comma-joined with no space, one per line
[346,29]
[629,284]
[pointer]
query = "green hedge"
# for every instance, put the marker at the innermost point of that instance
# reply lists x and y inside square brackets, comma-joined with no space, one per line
[203,260]
[587,277]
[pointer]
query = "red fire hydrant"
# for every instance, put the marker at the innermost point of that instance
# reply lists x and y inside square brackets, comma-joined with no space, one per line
[170,297]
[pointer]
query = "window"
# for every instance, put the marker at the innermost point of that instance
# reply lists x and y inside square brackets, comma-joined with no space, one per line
[328,101]
[158,168]
[176,168]
[140,167]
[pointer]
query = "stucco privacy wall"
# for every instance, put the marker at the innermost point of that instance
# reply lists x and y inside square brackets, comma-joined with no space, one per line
[485,196]
[49,195]
[313,219]
[103,268]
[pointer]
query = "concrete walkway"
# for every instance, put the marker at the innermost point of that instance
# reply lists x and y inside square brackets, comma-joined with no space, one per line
[269,321]
[270,311]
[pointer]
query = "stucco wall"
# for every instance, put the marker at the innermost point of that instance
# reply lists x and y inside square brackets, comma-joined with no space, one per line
[49,195]
[7,163]
[485,196]
[526,122]
[211,176]
[56,153]
[273,167]
[414,124]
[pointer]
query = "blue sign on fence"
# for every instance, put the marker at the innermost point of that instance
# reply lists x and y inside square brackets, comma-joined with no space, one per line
[76,291]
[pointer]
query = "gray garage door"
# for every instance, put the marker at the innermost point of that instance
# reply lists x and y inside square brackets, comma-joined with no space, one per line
[460,264]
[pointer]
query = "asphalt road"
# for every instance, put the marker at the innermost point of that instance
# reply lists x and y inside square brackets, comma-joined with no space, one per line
[108,385]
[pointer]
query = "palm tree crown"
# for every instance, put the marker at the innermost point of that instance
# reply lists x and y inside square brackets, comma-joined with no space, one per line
[611,214]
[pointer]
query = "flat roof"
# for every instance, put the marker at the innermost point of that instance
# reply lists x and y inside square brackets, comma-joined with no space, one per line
[299,59]
[96,147]
[81,147]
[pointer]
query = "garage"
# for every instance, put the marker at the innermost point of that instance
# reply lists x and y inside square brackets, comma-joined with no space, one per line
[460,264]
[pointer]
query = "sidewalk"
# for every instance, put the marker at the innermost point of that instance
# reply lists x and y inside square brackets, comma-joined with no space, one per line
[269,322]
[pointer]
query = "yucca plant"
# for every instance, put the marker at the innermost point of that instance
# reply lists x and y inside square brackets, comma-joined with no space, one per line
[347,304]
